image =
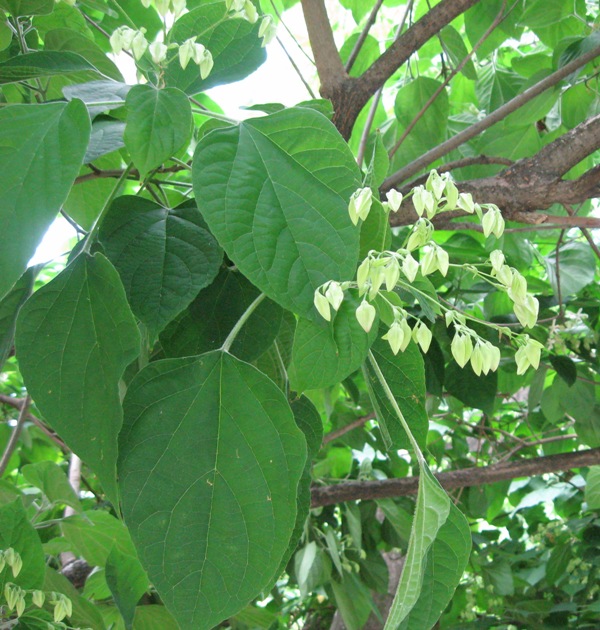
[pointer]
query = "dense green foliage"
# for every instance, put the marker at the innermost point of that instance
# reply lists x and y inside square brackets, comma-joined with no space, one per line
[255,312]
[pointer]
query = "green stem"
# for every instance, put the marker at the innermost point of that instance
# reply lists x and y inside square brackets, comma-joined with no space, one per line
[210,114]
[240,322]
[91,237]
[392,400]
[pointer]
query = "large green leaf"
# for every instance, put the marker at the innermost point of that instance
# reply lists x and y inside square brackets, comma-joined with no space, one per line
[51,479]
[575,264]
[205,324]
[33,139]
[19,8]
[163,255]
[9,309]
[274,191]
[470,389]
[159,123]
[17,532]
[338,348]
[211,533]
[405,375]
[75,337]
[592,488]
[233,43]
[42,64]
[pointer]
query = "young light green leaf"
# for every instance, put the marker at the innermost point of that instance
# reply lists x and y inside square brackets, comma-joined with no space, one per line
[159,123]
[29,136]
[75,337]
[52,481]
[274,191]
[164,256]
[211,534]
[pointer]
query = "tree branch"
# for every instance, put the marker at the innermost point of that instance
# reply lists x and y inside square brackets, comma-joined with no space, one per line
[496,116]
[14,437]
[365,490]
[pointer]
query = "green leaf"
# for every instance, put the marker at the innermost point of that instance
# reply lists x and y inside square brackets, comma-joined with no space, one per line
[592,488]
[405,375]
[233,42]
[565,368]
[274,191]
[31,138]
[106,137]
[75,337]
[454,44]
[112,93]
[9,309]
[17,532]
[432,511]
[212,533]
[375,232]
[43,64]
[369,52]
[338,347]
[470,389]
[205,324]
[163,255]
[127,582]
[159,123]
[52,481]
[312,567]
[540,13]
[154,618]
[353,599]
[576,267]
[20,8]
[443,567]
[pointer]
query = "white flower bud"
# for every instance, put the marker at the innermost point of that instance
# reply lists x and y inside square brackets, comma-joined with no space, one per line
[186,52]
[360,204]
[493,222]
[267,30]
[527,311]
[497,259]
[162,7]
[179,7]
[391,273]
[435,184]
[421,234]
[430,204]
[365,314]
[429,262]
[410,267]
[158,52]
[139,45]
[204,59]
[451,195]
[394,200]
[250,11]
[443,261]
[465,202]
[116,41]
[518,288]
[38,598]
[418,201]
[362,275]
[422,335]
[334,295]
[395,337]
[462,348]
[322,305]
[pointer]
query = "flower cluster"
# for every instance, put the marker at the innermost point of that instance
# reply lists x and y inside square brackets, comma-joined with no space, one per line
[11,558]
[467,346]
[192,50]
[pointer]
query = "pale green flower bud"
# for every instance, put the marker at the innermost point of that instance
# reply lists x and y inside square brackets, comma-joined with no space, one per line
[116,41]
[391,273]
[179,7]
[186,52]
[38,598]
[360,204]
[235,5]
[494,357]
[418,201]
[518,288]
[146,4]
[497,259]
[422,335]
[158,52]
[267,30]
[493,222]
[527,311]
[60,611]
[11,595]
[477,358]
[365,314]
[462,348]
[162,7]
[20,605]
[421,234]
[394,200]
[334,295]
[139,45]
[451,195]
[528,355]
[410,267]
[10,556]
[429,262]
[68,604]
[505,275]
[395,337]
[250,11]
[465,202]
[17,565]
[322,305]
[430,204]
[443,261]
[377,278]
[203,58]
[362,275]
[435,184]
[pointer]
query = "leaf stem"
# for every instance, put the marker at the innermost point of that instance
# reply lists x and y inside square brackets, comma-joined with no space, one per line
[240,322]
[14,438]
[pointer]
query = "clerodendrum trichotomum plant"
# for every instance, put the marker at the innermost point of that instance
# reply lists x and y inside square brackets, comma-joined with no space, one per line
[267,334]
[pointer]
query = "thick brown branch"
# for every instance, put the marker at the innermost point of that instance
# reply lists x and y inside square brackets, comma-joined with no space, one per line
[496,116]
[355,490]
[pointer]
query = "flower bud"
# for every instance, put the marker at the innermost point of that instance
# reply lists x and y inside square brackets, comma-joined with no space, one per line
[462,348]
[391,273]
[250,11]
[204,59]
[267,30]
[505,275]
[20,607]
[158,52]
[377,278]
[179,7]
[334,294]
[186,52]
[410,267]
[451,195]
[528,355]
[139,45]
[362,275]
[477,358]
[518,288]
[421,234]
[162,7]
[38,598]
[418,201]
[235,5]
[365,314]
[394,200]
[465,202]
[497,259]
[17,565]
[322,305]
[360,204]
[116,42]
[395,336]
[429,262]
[435,184]
[422,335]
[443,261]
[527,311]
[493,222]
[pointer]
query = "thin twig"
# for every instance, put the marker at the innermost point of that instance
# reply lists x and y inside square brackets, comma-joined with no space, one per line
[296,68]
[571,212]
[359,422]
[364,138]
[363,36]
[14,438]
[559,296]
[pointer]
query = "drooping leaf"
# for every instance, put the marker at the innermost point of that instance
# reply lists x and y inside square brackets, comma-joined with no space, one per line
[111,93]
[9,309]
[164,256]
[46,63]
[127,582]
[274,191]
[159,123]
[211,534]
[338,348]
[405,375]
[233,43]
[75,337]
[52,481]
[17,532]
[31,192]
[205,324]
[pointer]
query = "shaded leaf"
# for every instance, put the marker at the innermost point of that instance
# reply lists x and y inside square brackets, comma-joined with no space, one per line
[106,137]
[52,481]
[19,8]
[592,488]
[470,389]
[576,268]
[112,93]
[42,64]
